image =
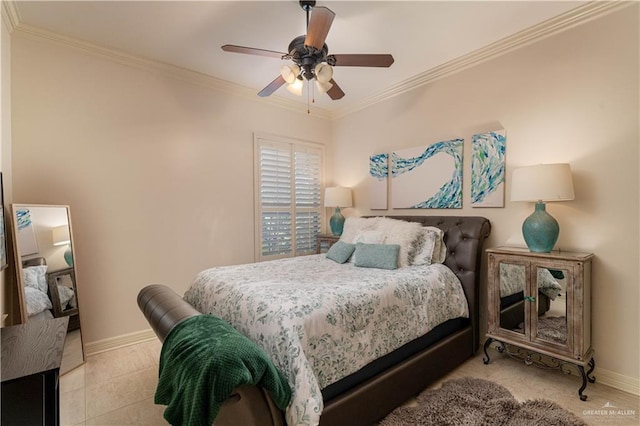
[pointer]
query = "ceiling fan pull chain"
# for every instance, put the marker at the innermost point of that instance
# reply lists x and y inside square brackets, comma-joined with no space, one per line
[313,93]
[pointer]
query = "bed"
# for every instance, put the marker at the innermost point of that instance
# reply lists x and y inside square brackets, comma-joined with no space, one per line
[372,391]
[38,291]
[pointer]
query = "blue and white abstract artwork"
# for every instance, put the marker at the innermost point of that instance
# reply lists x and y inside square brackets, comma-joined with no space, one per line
[428,177]
[26,236]
[487,169]
[378,181]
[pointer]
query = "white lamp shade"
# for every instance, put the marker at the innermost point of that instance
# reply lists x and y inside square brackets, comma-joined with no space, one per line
[290,73]
[323,72]
[61,235]
[323,87]
[337,197]
[542,182]
[296,87]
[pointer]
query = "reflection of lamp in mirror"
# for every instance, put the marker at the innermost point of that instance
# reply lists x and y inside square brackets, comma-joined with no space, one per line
[543,182]
[61,237]
[337,197]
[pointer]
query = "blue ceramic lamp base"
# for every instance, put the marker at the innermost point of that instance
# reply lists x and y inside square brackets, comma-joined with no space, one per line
[540,230]
[336,222]
[68,257]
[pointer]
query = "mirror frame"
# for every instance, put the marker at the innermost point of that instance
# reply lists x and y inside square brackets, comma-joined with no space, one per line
[19,280]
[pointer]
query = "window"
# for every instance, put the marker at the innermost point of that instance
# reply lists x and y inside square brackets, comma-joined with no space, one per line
[288,192]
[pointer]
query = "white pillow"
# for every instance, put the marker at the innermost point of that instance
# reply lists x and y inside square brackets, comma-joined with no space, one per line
[429,247]
[36,277]
[353,225]
[401,233]
[36,301]
[369,237]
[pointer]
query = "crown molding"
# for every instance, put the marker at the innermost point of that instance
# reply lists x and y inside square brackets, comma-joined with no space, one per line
[555,25]
[570,19]
[10,14]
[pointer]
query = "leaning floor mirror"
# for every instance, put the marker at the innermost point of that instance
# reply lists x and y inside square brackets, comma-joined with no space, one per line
[44,253]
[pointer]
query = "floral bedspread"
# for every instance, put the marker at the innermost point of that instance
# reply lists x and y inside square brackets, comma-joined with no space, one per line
[320,321]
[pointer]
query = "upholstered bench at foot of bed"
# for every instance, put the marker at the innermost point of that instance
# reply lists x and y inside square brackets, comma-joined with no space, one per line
[248,405]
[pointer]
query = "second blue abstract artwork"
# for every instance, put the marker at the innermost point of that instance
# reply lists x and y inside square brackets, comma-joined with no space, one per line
[487,169]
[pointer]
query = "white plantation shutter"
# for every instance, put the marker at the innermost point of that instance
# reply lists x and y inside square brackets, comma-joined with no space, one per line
[289,212]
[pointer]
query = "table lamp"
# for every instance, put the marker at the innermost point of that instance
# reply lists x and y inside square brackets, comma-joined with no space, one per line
[540,183]
[62,237]
[337,197]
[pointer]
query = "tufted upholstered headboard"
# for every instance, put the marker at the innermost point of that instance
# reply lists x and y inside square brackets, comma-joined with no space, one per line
[463,236]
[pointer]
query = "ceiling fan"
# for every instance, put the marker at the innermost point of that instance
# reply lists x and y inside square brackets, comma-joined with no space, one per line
[310,56]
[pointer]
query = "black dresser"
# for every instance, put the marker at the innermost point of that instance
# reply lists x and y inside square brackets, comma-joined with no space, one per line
[31,357]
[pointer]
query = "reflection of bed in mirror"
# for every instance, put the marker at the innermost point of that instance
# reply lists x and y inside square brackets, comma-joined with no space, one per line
[46,271]
[47,295]
[550,299]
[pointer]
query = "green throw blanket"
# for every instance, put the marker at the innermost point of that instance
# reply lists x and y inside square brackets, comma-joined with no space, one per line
[202,360]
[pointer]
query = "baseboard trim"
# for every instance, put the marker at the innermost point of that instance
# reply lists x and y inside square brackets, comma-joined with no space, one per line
[617,380]
[112,343]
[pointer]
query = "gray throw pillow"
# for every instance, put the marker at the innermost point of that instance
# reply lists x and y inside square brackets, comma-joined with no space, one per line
[340,252]
[383,256]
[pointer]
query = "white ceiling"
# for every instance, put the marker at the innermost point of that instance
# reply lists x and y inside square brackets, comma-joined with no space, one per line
[421,35]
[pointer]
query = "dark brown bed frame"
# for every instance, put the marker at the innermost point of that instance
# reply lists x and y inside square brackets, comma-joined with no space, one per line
[369,402]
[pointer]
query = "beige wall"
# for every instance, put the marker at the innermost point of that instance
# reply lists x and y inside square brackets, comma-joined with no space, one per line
[158,172]
[569,98]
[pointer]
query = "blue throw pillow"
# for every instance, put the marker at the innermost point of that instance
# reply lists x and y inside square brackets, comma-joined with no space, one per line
[341,252]
[383,256]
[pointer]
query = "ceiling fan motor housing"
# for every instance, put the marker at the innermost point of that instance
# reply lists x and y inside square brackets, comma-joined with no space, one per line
[307,57]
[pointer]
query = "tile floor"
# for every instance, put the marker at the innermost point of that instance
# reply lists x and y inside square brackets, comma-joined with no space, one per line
[117,387]
[113,388]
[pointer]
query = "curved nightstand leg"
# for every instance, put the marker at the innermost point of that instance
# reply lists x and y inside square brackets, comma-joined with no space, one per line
[592,366]
[584,383]
[485,359]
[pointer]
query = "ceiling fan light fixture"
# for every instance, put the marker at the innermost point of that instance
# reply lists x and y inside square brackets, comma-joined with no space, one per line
[296,87]
[311,57]
[323,87]
[323,72]
[290,73]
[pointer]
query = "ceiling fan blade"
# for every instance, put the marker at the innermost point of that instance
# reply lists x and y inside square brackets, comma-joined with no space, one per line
[272,87]
[363,60]
[319,25]
[335,92]
[252,51]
